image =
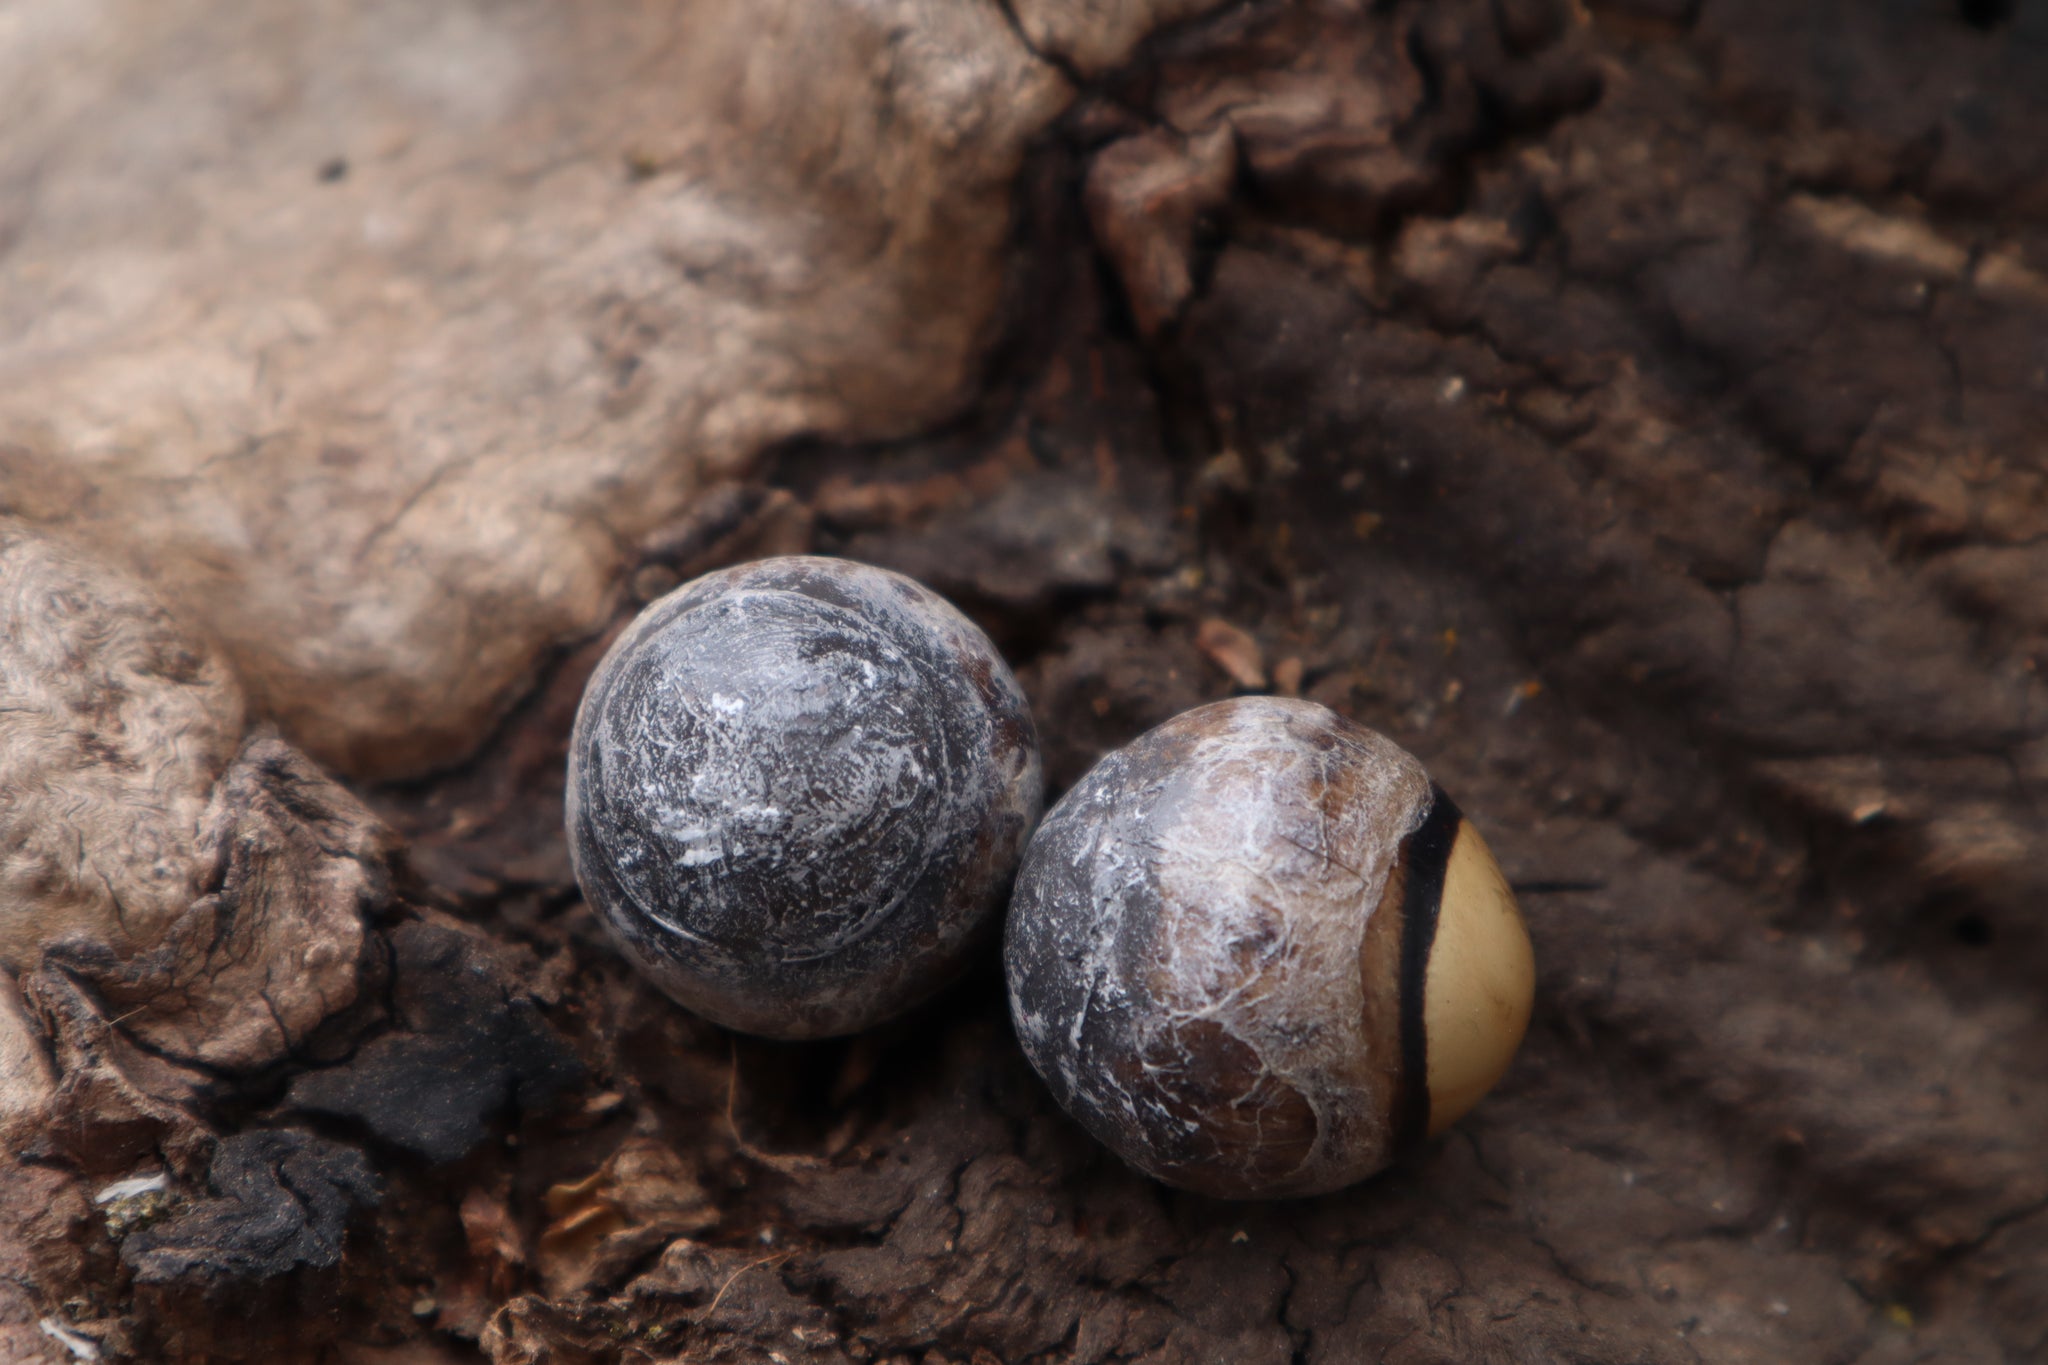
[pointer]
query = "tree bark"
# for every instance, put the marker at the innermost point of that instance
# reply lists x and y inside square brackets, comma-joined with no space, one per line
[1634,410]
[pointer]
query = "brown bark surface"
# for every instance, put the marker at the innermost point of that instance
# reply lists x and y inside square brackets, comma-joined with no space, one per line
[1640,412]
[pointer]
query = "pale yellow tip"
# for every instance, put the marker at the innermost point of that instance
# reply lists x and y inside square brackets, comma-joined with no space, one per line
[1480,983]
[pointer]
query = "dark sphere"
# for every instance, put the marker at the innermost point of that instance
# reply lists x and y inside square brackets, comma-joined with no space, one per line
[798,792]
[1258,952]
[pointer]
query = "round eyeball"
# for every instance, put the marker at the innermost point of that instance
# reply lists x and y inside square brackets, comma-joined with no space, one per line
[1257,952]
[798,792]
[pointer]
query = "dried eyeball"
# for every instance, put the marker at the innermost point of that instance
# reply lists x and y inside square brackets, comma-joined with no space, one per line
[798,792]
[1258,952]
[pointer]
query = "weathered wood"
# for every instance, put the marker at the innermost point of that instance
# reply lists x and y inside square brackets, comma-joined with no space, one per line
[1636,412]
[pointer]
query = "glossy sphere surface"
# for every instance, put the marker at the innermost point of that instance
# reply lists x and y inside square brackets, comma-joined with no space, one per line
[798,791]
[1257,952]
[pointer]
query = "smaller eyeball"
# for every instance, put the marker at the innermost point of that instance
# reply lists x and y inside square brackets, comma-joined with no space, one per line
[798,793]
[1258,952]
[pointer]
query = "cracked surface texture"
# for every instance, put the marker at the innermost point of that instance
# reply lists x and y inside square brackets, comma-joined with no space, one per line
[1187,951]
[1633,408]
[798,791]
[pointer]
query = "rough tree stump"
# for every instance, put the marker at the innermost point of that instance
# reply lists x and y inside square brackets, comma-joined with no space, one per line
[1638,410]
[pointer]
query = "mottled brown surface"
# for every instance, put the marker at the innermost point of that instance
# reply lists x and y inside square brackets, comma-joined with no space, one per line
[1638,413]
[1185,942]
